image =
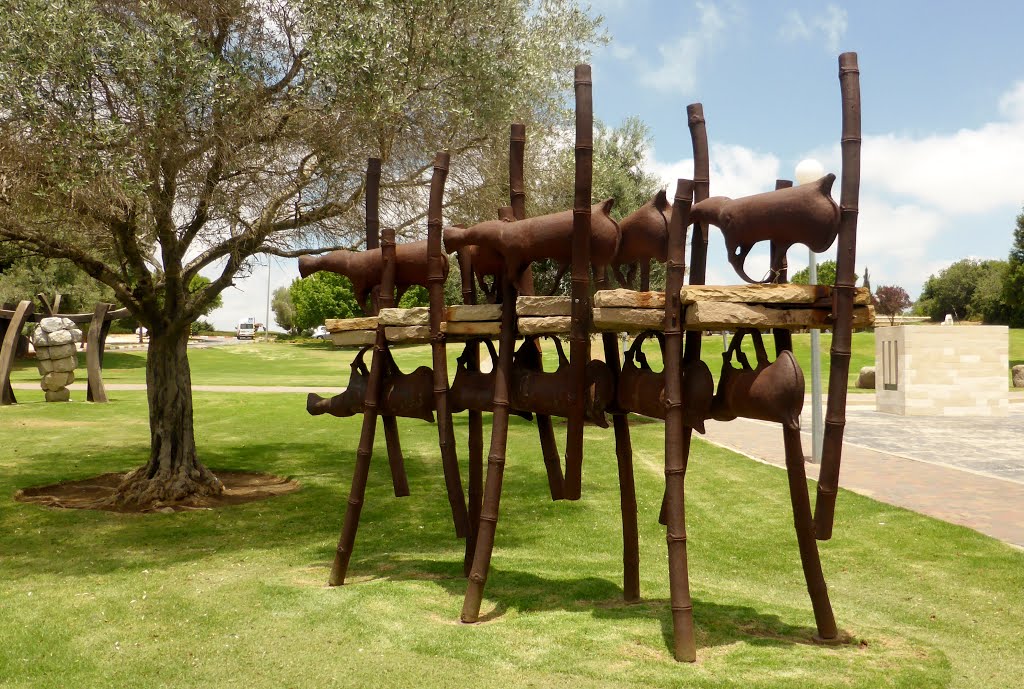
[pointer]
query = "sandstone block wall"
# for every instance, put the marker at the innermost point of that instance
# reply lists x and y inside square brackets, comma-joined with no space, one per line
[936,370]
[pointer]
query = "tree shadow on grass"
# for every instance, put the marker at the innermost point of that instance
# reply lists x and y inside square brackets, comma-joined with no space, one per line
[717,624]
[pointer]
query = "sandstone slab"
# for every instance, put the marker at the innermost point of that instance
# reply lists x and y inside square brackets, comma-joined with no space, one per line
[544,325]
[712,315]
[473,312]
[766,294]
[628,320]
[535,306]
[341,325]
[418,315]
[354,338]
[627,298]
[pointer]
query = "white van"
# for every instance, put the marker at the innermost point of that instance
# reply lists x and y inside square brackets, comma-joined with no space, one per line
[246,329]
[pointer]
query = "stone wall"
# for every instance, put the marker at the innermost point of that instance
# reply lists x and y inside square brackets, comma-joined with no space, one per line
[938,370]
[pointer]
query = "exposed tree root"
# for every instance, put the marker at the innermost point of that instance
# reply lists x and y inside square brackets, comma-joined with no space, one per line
[182,486]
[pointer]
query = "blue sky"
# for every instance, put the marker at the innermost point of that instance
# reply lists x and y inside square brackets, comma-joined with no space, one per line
[942,88]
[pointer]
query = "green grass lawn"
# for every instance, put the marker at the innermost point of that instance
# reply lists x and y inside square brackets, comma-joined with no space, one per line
[236,596]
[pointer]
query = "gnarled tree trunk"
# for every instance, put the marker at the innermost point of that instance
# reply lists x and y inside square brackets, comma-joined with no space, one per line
[173,474]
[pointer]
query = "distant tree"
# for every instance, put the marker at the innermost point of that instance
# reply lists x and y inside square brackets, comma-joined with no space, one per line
[284,309]
[968,289]
[866,284]
[826,274]
[321,296]
[23,277]
[1013,280]
[414,296]
[891,301]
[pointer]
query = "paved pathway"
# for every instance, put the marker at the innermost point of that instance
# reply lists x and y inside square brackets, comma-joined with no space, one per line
[940,474]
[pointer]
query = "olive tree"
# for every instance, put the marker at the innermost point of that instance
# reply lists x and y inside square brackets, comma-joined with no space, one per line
[147,142]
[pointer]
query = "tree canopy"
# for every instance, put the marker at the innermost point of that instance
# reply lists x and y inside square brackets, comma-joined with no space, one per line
[1013,281]
[968,290]
[826,274]
[891,301]
[148,141]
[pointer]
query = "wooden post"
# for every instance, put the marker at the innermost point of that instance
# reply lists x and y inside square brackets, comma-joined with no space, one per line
[684,643]
[842,295]
[517,198]
[579,333]
[10,334]
[435,283]
[99,326]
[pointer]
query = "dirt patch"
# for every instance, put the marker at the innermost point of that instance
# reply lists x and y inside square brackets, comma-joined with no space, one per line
[88,494]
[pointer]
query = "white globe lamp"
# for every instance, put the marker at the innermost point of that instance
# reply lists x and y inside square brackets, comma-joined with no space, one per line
[809,170]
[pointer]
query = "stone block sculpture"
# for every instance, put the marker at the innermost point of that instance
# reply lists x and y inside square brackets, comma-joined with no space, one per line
[54,340]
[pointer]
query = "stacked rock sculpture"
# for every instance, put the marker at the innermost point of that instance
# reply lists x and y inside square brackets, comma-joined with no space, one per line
[54,341]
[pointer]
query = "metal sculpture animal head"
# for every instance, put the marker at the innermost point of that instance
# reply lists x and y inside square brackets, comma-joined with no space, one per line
[798,215]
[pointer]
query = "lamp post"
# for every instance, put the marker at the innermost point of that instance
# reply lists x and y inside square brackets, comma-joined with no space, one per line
[810,170]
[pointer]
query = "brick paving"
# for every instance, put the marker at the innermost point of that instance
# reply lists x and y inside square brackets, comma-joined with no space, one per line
[965,471]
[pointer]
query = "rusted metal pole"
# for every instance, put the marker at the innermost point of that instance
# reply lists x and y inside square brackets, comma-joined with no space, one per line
[495,456]
[624,464]
[579,332]
[476,426]
[698,251]
[684,643]
[779,268]
[435,284]
[823,617]
[399,479]
[517,198]
[357,494]
[842,299]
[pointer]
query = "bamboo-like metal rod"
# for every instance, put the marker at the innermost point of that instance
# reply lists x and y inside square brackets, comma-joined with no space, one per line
[684,642]
[779,268]
[624,465]
[435,284]
[517,199]
[579,331]
[816,588]
[475,428]
[698,251]
[396,463]
[343,553]
[842,296]
[495,456]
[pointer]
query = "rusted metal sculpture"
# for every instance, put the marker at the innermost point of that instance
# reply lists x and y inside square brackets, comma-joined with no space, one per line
[805,214]
[839,367]
[580,389]
[437,271]
[644,237]
[365,268]
[354,506]
[521,242]
[408,395]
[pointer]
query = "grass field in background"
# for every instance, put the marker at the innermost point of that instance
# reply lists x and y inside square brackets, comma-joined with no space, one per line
[236,596]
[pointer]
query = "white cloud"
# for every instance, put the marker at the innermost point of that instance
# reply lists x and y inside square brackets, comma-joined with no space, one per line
[678,59]
[830,25]
[1011,105]
[735,170]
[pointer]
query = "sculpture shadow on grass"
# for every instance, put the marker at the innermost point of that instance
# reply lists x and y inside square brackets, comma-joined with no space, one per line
[720,624]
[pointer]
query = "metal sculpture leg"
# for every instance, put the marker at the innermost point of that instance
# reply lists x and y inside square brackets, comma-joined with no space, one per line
[684,643]
[476,468]
[627,506]
[823,617]
[399,479]
[495,459]
[362,468]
